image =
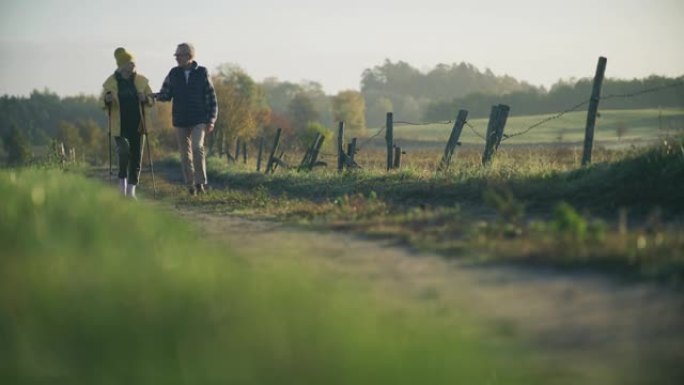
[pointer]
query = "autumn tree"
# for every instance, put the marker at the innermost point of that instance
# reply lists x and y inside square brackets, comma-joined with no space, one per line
[243,111]
[280,97]
[349,106]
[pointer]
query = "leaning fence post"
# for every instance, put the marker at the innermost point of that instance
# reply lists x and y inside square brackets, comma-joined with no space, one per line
[278,161]
[490,135]
[261,150]
[316,150]
[351,149]
[271,158]
[593,108]
[453,140]
[306,162]
[340,147]
[495,129]
[389,139]
[501,119]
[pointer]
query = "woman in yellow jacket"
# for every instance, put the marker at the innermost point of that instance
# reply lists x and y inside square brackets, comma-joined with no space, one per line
[127,95]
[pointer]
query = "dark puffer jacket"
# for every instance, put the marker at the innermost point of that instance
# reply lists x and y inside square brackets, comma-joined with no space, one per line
[194,100]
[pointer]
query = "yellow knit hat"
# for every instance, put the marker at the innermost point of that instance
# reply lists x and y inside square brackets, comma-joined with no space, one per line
[122,57]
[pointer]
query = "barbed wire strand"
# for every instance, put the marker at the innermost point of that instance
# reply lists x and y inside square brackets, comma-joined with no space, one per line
[443,122]
[403,122]
[358,146]
[531,127]
[362,144]
[607,97]
[545,120]
[475,132]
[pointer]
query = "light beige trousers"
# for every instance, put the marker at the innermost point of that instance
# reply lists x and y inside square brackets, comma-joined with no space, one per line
[191,145]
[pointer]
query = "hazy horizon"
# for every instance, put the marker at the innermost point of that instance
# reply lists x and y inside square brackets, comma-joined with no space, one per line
[67,46]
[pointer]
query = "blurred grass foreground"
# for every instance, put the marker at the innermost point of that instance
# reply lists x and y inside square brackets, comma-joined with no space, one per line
[98,290]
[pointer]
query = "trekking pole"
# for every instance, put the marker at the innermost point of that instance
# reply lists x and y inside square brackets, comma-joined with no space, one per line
[109,135]
[149,151]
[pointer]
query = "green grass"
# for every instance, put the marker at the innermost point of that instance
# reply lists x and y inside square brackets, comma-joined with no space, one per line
[97,290]
[451,214]
[640,179]
[645,126]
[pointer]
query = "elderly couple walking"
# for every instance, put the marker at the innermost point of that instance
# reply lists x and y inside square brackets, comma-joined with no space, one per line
[127,97]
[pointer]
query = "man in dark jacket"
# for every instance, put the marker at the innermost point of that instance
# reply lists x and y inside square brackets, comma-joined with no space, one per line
[194,112]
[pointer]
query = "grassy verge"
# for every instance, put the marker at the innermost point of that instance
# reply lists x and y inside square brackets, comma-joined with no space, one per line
[623,214]
[97,290]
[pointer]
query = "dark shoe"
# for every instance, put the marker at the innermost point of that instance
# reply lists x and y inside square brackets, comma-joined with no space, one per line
[199,188]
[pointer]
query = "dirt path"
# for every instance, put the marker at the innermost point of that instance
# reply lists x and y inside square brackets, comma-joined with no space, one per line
[581,328]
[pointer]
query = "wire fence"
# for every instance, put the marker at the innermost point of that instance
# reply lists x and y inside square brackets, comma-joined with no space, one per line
[522,132]
[540,122]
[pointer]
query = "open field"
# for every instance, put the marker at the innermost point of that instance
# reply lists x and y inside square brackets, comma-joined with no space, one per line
[614,128]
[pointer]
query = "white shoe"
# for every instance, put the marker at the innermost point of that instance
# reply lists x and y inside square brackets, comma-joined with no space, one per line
[123,186]
[130,191]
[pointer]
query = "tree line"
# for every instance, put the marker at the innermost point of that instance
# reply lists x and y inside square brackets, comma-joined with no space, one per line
[439,93]
[251,109]
[247,110]
[661,92]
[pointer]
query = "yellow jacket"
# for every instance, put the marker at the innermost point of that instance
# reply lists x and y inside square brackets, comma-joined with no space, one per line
[142,85]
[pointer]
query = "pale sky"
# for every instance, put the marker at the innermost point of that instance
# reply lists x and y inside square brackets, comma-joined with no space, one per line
[67,45]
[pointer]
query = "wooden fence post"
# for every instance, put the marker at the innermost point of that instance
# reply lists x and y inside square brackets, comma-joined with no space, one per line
[306,161]
[304,164]
[279,161]
[62,155]
[261,150]
[489,136]
[271,158]
[501,124]
[244,152]
[389,139]
[495,129]
[316,150]
[453,140]
[397,157]
[591,112]
[351,149]
[340,147]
